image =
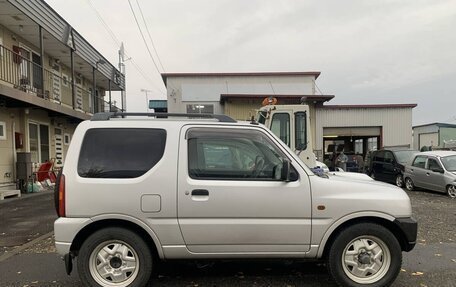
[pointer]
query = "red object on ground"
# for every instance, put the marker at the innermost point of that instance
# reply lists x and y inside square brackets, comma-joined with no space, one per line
[45,172]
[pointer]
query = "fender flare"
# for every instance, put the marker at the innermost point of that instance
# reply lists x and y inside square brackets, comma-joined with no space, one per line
[130,219]
[346,218]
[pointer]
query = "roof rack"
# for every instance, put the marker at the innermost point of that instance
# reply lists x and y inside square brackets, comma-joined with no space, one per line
[107,116]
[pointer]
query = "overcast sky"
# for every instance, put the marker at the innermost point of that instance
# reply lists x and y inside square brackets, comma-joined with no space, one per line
[367,51]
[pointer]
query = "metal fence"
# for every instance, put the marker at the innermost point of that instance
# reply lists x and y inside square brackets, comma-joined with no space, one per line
[30,77]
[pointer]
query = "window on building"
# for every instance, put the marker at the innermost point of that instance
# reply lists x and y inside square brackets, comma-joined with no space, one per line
[120,153]
[200,109]
[66,139]
[280,126]
[2,131]
[39,142]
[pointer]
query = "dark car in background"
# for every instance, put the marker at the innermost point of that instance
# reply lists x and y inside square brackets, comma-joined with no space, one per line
[388,165]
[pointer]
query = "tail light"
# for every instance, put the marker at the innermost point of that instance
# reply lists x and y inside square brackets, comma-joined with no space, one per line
[59,195]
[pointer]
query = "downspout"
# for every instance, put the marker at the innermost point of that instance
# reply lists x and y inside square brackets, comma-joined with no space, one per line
[13,139]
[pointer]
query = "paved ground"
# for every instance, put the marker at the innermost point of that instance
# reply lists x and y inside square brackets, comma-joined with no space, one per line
[431,263]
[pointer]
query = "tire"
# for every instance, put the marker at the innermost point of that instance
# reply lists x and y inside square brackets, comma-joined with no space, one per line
[399,180]
[451,191]
[409,184]
[351,258]
[128,259]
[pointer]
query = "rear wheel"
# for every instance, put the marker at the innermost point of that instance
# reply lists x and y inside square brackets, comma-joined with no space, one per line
[399,180]
[114,257]
[451,191]
[409,184]
[365,254]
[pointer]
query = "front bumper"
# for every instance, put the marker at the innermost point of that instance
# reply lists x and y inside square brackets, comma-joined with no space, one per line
[409,228]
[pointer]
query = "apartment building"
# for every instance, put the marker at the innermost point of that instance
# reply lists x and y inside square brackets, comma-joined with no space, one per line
[51,79]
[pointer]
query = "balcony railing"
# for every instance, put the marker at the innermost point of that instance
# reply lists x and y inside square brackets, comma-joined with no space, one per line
[27,76]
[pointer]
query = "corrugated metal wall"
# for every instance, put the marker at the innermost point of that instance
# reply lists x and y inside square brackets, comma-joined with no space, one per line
[396,123]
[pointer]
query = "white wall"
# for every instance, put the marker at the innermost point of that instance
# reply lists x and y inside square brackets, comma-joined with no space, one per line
[417,131]
[396,123]
[207,90]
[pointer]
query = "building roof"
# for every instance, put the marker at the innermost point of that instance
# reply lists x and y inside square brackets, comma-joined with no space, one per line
[316,98]
[394,106]
[240,74]
[440,125]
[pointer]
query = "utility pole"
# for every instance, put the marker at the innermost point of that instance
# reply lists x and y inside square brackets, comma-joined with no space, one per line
[147,98]
[123,100]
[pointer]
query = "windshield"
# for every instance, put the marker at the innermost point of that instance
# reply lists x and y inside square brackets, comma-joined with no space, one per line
[261,117]
[449,162]
[405,156]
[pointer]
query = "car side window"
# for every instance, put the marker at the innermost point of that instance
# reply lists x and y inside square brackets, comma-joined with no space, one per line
[120,152]
[379,156]
[419,161]
[228,154]
[389,157]
[433,164]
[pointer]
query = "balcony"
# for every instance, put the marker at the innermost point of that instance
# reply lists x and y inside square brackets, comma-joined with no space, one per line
[20,72]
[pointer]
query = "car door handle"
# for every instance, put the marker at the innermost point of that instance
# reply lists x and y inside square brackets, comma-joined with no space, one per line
[428,174]
[200,192]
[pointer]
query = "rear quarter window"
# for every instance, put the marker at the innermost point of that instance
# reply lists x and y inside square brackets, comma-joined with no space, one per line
[120,152]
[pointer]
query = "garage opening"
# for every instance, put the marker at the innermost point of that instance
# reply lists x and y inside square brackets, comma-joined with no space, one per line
[355,142]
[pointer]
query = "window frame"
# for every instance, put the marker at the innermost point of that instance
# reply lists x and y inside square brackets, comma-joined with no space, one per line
[118,177]
[298,145]
[288,142]
[425,161]
[224,134]
[3,136]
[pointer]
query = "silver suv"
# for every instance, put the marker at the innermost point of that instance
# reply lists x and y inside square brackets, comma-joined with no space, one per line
[137,190]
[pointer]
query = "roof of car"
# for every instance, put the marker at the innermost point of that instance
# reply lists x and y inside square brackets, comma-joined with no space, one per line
[438,153]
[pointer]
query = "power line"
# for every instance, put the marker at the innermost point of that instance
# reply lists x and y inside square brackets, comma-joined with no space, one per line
[142,35]
[118,43]
[150,37]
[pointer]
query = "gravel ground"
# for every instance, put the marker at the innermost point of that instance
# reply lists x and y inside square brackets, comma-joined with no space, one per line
[436,215]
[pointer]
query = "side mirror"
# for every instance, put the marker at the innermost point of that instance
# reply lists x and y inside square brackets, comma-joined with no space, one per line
[285,175]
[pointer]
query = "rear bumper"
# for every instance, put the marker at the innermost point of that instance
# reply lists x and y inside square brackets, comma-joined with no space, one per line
[409,228]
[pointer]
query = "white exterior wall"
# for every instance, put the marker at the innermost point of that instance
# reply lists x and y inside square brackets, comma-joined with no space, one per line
[429,129]
[396,123]
[207,89]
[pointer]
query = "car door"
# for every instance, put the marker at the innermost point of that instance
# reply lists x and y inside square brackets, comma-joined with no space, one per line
[377,164]
[389,172]
[418,171]
[230,199]
[435,178]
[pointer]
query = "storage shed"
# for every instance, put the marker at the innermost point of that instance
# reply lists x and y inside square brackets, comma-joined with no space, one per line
[433,135]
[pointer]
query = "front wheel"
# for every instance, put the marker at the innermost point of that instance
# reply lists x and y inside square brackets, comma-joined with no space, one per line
[114,257]
[365,254]
[409,184]
[451,191]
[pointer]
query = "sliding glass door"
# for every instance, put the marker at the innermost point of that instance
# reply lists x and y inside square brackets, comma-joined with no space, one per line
[39,142]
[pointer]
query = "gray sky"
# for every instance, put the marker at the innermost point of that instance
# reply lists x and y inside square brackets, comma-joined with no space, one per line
[367,51]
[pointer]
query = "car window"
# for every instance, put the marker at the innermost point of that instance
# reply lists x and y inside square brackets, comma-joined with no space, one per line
[120,152]
[433,164]
[379,156]
[419,161]
[232,154]
[404,156]
[449,162]
[389,157]
[280,126]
